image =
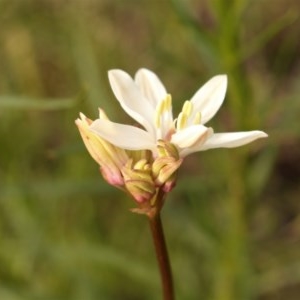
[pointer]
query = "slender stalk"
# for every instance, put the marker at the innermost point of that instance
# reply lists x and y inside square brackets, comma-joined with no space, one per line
[162,256]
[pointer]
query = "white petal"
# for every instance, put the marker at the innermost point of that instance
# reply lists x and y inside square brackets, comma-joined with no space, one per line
[131,99]
[232,139]
[123,136]
[150,86]
[189,136]
[209,98]
[195,148]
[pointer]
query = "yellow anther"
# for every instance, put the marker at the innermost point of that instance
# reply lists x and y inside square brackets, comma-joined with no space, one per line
[168,102]
[197,118]
[163,106]
[181,121]
[158,113]
[187,108]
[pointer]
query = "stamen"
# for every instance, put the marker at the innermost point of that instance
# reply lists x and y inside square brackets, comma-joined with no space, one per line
[197,118]
[181,121]
[168,101]
[158,113]
[164,106]
[183,117]
[187,108]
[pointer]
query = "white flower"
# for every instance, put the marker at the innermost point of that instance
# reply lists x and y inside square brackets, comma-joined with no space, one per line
[146,100]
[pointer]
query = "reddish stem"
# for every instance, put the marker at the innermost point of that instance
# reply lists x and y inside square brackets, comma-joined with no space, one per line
[162,256]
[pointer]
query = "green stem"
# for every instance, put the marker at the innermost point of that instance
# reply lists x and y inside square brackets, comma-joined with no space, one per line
[162,256]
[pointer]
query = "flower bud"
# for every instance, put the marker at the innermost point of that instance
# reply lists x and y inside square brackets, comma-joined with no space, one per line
[165,165]
[167,149]
[138,180]
[109,157]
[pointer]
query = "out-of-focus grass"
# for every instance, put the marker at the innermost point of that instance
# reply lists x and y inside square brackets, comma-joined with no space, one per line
[232,222]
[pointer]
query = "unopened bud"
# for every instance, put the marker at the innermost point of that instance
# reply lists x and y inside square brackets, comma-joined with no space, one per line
[167,149]
[138,180]
[109,157]
[165,165]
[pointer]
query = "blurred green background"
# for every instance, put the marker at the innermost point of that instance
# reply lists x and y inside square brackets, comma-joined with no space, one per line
[233,221]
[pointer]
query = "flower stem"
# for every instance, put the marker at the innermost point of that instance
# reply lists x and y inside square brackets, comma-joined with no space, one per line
[162,256]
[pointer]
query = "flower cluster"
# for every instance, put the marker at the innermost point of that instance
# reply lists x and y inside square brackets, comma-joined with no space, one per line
[144,161]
